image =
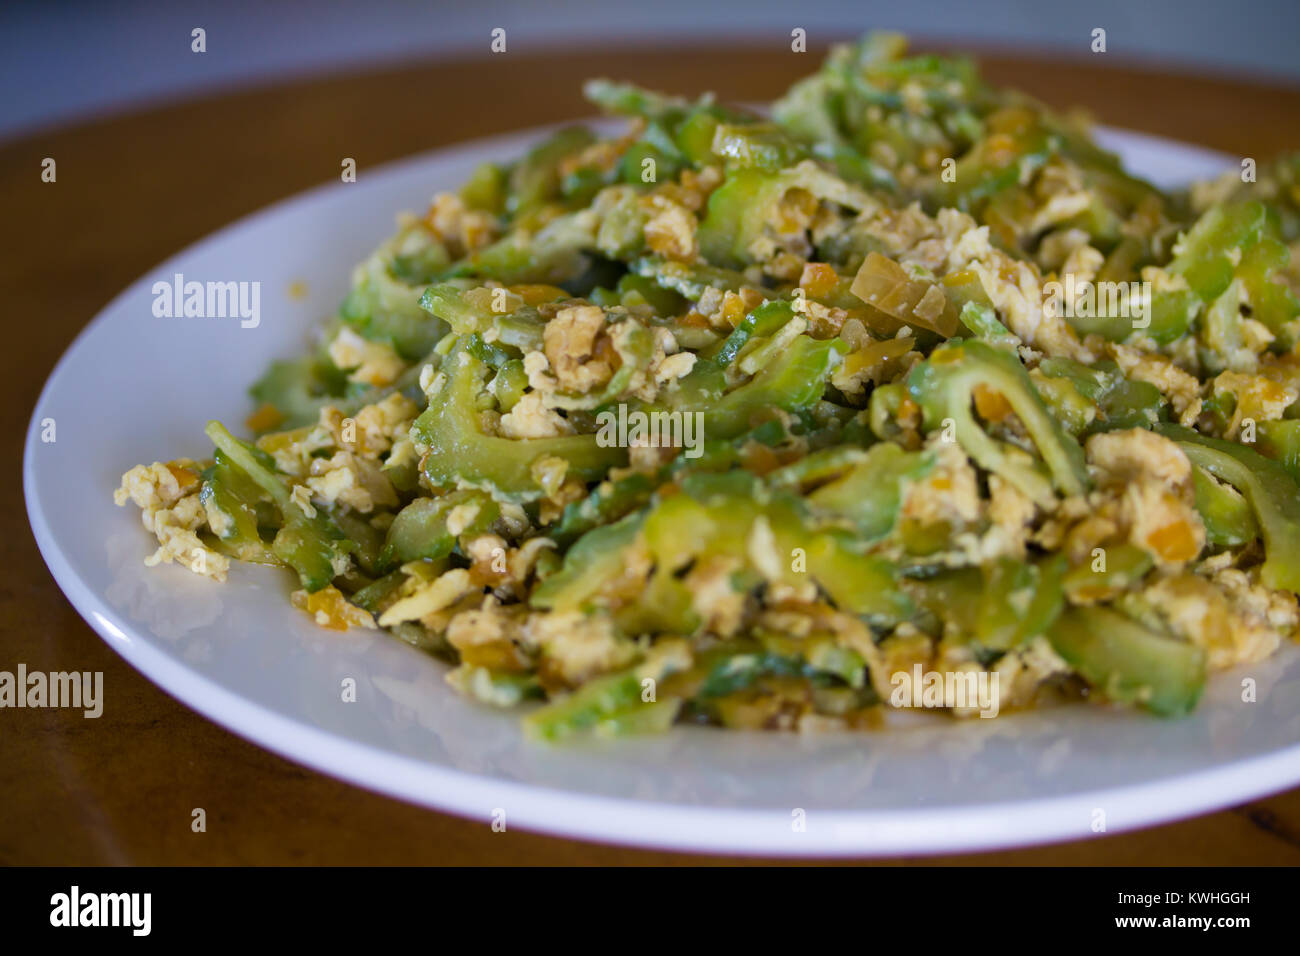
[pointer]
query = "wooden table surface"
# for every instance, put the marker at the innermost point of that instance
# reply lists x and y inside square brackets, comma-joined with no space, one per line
[133,189]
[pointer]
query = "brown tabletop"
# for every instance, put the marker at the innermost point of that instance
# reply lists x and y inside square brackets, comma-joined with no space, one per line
[134,189]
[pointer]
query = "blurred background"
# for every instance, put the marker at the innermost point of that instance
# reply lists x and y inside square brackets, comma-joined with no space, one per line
[69,60]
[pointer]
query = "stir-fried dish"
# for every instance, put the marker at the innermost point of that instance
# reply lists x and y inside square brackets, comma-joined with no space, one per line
[787,421]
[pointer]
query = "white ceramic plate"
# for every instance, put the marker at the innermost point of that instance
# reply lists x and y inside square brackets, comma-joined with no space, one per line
[135,388]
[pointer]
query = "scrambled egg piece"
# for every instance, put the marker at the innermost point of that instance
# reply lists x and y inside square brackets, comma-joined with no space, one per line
[575,646]
[1203,614]
[671,229]
[429,597]
[168,498]
[949,493]
[786,230]
[1181,388]
[331,610]
[294,452]
[569,341]
[1152,480]
[1012,514]
[530,418]
[1258,398]
[489,636]
[951,242]
[346,479]
[1016,292]
[713,597]
[460,229]
[379,425]
[371,363]
[1024,670]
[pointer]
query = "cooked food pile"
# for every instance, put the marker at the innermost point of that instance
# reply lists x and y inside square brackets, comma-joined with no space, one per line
[761,422]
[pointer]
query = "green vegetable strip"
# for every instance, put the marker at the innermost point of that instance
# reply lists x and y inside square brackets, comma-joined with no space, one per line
[459,451]
[309,545]
[944,386]
[1273,496]
[1129,663]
